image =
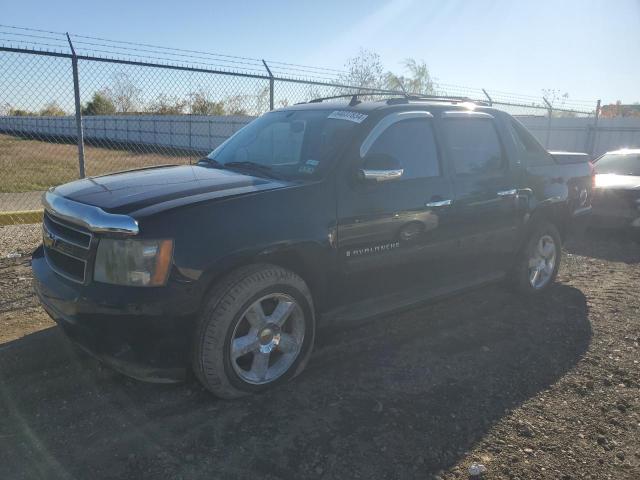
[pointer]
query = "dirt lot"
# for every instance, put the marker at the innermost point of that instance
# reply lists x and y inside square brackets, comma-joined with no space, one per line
[546,388]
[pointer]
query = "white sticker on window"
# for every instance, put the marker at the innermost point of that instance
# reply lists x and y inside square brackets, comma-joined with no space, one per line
[349,116]
[306,169]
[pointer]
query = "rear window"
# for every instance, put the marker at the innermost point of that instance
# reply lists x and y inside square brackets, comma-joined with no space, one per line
[473,145]
[622,164]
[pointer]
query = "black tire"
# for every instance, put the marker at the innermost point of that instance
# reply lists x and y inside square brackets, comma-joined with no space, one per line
[224,310]
[520,276]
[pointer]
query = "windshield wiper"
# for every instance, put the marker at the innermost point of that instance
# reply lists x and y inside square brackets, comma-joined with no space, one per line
[252,167]
[210,162]
[246,166]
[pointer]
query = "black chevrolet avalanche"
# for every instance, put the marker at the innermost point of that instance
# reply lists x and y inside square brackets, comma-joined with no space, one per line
[311,215]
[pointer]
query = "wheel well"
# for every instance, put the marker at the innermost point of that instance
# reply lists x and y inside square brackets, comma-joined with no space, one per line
[298,264]
[554,216]
[289,259]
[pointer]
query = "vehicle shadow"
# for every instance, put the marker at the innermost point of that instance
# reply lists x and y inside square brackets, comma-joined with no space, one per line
[596,243]
[402,396]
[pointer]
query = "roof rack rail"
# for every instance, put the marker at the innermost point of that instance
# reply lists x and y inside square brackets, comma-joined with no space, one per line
[438,98]
[403,98]
[354,96]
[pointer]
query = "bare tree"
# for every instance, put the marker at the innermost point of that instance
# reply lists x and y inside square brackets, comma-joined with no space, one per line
[364,70]
[555,97]
[166,105]
[236,105]
[557,100]
[123,93]
[201,103]
[262,100]
[52,109]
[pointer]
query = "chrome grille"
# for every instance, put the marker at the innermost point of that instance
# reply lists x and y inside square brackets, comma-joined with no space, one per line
[67,248]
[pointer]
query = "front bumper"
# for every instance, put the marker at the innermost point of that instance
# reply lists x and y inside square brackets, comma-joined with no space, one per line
[616,208]
[141,332]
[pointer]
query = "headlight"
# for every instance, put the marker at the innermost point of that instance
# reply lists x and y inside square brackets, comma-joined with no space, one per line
[141,263]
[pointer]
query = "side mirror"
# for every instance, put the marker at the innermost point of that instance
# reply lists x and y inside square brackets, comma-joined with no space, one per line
[380,167]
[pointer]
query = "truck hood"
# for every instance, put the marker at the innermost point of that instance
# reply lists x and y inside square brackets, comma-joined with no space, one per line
[164,187]
[618,182]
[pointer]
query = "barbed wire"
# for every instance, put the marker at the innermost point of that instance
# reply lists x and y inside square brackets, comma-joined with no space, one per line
[103,48]
[255,60]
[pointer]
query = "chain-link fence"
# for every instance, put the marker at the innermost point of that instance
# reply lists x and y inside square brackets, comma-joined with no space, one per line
[73,105]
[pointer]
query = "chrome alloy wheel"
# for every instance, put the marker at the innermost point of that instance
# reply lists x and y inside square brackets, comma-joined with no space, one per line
[267,338]
[542,262]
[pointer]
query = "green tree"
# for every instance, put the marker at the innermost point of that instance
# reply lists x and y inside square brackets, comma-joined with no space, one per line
[202,104]
[100,104]
[417,79]
[366,70]
[52,109]
[17,112]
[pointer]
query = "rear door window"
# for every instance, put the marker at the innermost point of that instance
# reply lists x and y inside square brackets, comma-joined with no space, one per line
[474,146]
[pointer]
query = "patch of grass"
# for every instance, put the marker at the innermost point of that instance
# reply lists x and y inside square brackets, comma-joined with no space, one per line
[31,164]
[20,217]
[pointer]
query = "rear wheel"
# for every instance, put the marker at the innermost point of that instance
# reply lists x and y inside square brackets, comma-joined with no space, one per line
[537,264]
[256,331]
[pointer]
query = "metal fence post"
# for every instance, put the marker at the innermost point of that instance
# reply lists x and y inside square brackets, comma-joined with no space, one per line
[550,113]
[76,94]
[488,97]
[594,136]
[271,81]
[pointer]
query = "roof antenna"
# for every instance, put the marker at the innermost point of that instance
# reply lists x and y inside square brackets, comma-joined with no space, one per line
[354,100]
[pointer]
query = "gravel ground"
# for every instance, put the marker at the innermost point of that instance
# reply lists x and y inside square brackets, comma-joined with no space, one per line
[531,389]
[19,239]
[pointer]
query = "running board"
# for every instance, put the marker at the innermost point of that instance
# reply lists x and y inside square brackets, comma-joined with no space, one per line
[400,301]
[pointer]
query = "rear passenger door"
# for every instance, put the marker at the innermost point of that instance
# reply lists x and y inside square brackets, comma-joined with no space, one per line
[485,209]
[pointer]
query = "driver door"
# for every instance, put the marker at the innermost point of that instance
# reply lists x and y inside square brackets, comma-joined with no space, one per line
[396,233]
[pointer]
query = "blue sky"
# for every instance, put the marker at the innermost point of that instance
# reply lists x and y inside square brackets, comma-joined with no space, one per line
[588,48]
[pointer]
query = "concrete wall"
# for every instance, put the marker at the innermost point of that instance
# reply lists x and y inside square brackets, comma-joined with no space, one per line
[204,133]
[579,135]
[194,132]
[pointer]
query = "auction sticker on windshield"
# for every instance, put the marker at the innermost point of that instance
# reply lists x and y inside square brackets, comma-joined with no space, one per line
[349,116]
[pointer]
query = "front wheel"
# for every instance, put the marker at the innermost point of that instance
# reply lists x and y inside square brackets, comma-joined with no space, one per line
[537,264]
[256,331]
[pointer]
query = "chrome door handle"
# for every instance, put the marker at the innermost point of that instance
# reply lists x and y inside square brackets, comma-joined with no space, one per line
[508,193]
[439,203]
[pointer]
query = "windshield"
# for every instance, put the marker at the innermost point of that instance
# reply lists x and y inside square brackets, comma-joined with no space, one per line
[290,144]
[622,164]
